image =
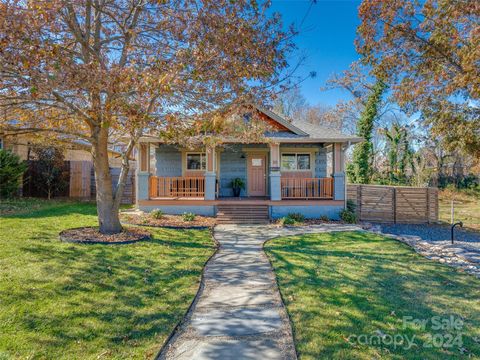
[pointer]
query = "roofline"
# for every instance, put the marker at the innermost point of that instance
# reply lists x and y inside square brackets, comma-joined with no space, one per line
[281,120]
[350,140]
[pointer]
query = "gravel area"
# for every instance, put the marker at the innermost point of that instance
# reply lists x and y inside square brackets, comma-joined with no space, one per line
[435,233]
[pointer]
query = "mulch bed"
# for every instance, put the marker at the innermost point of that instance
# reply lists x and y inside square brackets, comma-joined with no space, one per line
[168,221]
[91,235]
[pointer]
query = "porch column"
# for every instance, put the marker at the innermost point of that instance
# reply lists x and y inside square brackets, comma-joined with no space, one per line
[275,175]
[338,172]
[210,174]
[143,172]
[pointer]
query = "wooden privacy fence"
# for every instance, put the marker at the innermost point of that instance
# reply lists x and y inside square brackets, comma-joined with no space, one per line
[82,182]
[394,204]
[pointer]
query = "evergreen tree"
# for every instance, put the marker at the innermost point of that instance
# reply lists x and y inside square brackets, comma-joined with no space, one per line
[360,171]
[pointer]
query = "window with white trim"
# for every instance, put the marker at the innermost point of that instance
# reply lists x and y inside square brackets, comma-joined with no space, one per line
[196,161]
[296,162]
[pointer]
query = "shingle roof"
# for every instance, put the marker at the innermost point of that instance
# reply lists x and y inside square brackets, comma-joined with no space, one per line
[309,131]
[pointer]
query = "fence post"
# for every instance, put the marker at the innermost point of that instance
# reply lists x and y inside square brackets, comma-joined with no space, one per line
[394,205]
[428,206]
[359,202]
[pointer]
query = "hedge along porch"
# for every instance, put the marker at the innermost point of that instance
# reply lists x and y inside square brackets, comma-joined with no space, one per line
[299,169]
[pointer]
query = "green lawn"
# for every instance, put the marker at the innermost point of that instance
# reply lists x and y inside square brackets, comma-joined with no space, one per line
[72,301]
[466,207]
[349,294]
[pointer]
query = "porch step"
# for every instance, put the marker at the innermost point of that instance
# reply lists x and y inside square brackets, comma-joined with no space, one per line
[242,214]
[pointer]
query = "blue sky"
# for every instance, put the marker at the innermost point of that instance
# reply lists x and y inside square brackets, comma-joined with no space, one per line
[327,39]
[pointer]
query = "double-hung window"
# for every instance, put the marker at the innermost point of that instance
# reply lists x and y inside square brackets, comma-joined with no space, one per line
[196,161]
[296,162]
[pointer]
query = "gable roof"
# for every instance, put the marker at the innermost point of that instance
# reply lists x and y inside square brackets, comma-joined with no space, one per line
[290,126]
[305,131]
[294,131]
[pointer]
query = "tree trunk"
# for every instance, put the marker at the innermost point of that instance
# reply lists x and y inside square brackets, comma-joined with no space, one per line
[108,218]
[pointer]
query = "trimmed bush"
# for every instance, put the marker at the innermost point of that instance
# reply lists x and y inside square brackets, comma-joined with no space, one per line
[287,221]
[297,217]
[348,216]
[11,172]
[188,216]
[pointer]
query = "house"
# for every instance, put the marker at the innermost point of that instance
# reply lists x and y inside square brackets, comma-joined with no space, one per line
[78,161]
[20,143]
[298,169]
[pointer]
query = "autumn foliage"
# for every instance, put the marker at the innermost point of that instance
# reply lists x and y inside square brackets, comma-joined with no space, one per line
[104,70]
[429,51]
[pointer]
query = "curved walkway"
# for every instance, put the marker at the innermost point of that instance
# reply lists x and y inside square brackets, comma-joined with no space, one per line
[238,312]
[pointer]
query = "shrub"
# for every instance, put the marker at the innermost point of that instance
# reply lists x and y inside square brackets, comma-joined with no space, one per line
[287,221]
[188,216]
[157,214]
[324,218]
[51,177]
[297,217]
[351,205]
[348,216]
[11,171]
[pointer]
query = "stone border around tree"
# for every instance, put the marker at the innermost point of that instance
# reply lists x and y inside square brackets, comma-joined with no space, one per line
[64,237]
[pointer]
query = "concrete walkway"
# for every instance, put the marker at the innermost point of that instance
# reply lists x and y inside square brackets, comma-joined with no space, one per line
[238,312]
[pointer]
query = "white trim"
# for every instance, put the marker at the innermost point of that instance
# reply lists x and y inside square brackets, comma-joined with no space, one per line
[203,155]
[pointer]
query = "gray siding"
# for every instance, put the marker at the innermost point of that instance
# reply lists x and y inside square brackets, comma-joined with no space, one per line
[321,163]
[232,166]
[169,161]
[320,160]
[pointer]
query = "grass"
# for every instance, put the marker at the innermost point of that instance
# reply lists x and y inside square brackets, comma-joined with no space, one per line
[336,285]
[466,204]
[72,301]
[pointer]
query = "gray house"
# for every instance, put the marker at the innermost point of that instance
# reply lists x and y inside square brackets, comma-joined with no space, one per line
[299,169]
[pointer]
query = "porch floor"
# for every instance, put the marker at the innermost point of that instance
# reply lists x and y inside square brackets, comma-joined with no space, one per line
[200,201]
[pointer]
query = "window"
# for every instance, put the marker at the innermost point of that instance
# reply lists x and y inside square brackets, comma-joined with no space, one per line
[196,161]
[295,162]
[1,143]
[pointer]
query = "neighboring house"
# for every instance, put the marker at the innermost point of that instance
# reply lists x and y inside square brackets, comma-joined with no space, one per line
[299,169]
[78,150]
[80,164]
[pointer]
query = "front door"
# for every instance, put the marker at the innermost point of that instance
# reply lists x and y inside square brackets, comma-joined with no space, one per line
[257,175]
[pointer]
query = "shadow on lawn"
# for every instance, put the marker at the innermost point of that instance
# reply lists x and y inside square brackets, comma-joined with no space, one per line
[358,286]
[111,294]
[56,209]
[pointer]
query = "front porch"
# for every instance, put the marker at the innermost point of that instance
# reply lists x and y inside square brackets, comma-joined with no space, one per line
[306,178]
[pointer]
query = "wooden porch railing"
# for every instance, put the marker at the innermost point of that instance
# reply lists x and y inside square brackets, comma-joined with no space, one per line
[173,187]
[307,188]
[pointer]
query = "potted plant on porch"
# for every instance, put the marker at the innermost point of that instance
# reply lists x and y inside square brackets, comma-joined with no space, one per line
[237,185]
